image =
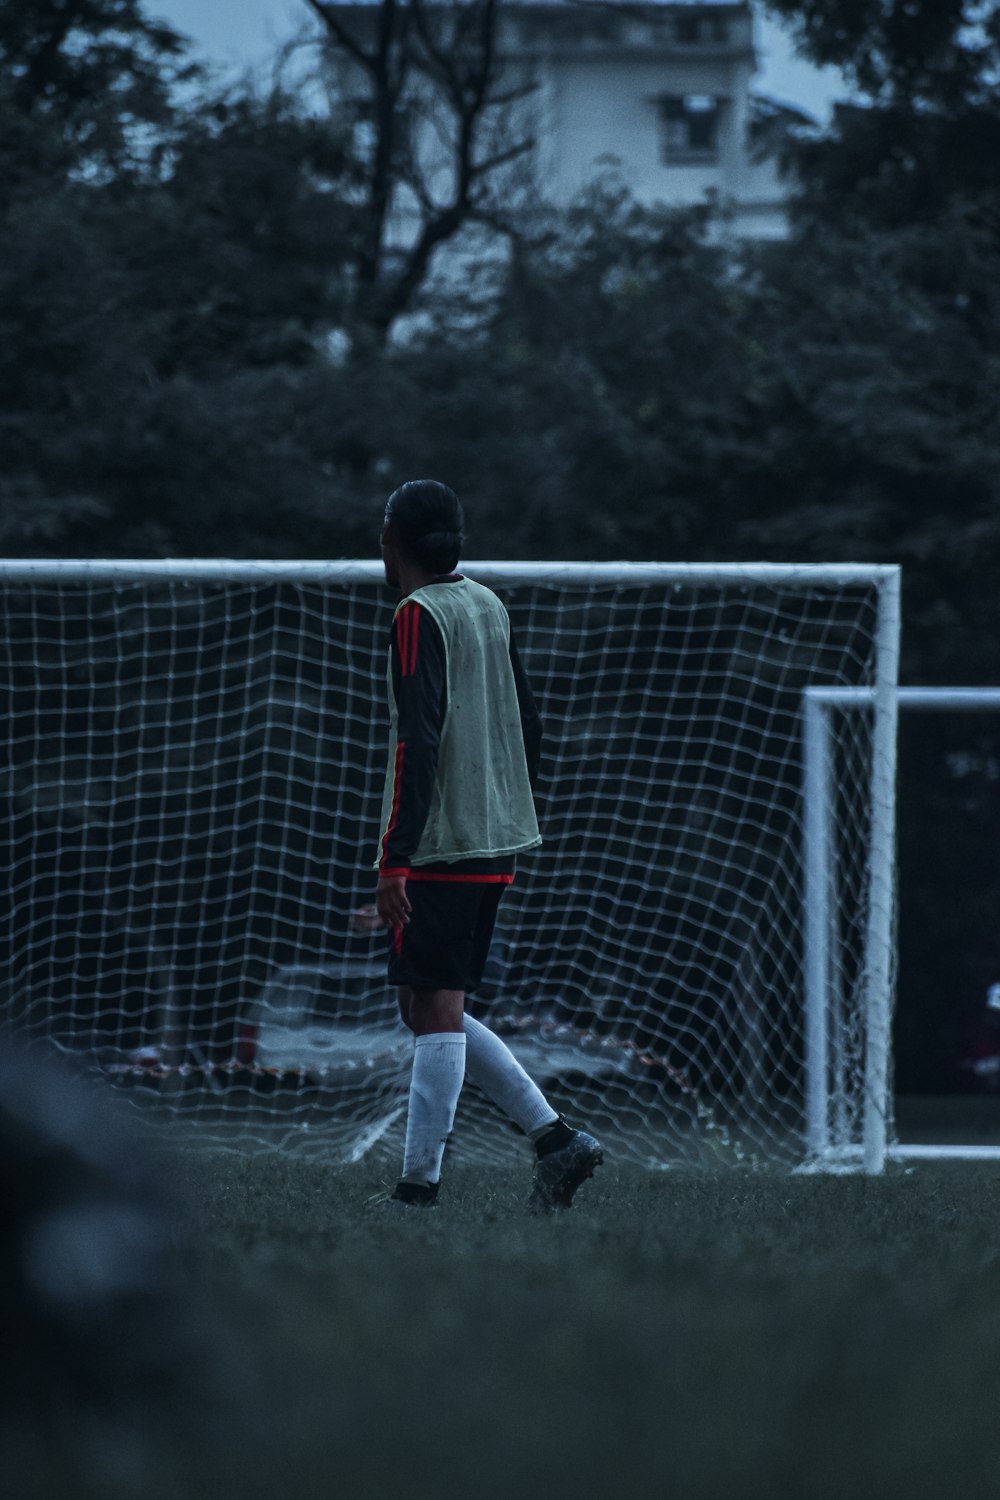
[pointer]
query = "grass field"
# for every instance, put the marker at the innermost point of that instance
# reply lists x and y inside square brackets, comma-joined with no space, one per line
[674,1335]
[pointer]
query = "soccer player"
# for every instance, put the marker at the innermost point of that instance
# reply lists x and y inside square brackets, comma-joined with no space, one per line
[457,810]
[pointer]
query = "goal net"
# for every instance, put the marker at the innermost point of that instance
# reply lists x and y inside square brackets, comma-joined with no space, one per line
[193,773]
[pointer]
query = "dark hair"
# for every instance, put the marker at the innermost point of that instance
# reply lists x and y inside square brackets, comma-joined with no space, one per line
[427,517]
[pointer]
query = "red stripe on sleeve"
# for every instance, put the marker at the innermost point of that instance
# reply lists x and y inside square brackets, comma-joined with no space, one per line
[410,666]
[408,627]
[402,636]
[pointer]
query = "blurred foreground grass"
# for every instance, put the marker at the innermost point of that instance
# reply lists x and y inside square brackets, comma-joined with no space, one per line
[674,1335]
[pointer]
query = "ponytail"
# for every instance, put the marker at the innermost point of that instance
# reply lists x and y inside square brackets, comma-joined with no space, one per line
[428,520]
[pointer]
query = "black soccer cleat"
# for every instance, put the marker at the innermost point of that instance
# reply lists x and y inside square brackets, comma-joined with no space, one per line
[415,1194]
[563,1169]
[406,1195]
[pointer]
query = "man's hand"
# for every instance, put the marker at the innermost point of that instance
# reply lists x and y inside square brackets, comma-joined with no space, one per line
[366,919]
[393,907]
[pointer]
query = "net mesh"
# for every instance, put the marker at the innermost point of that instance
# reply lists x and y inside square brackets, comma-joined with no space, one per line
[193,779]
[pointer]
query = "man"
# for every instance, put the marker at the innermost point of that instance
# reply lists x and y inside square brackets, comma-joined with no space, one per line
[457,811]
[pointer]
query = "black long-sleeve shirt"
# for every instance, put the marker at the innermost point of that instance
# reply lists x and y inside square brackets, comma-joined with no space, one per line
[419,679]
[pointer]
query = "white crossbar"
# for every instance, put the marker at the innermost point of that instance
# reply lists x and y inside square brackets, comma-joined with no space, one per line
[357,570]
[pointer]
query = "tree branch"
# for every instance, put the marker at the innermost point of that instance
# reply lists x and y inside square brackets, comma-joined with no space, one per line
[342,36]
[441,61]
[436,231]
[514,96]
[500,158]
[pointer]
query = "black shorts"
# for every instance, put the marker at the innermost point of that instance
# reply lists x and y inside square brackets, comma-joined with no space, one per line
[445,943]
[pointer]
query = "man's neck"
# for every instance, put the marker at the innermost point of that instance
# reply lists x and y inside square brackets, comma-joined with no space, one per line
[415,578]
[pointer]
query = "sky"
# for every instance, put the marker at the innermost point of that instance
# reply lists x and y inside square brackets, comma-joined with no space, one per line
[241,34]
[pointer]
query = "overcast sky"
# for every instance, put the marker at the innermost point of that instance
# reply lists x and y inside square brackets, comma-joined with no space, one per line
[246,33]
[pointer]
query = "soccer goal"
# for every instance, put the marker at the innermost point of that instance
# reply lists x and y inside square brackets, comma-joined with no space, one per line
[832,1043]
[194,761]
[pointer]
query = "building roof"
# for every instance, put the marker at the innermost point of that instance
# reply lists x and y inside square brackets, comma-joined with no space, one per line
[629,4]
[624,5]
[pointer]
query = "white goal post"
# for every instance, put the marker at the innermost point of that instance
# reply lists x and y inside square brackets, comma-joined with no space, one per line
[699,959]
[828,1021]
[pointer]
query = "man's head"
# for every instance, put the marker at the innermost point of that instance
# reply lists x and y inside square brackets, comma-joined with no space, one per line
[422,528]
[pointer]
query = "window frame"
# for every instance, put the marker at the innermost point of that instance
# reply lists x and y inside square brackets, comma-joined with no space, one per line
[675,109]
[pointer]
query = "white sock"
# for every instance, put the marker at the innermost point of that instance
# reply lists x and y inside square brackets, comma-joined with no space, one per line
[498,1073]
[435,1084]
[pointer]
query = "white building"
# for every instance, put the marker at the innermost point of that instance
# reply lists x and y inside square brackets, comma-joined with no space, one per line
[660,91]
[657,93]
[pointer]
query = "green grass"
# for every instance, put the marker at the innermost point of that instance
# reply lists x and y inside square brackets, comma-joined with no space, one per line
[674,1335]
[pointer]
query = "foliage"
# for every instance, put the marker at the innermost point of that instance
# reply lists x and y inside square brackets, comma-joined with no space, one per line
[84,88]
[177,328]
[925,134]
[646,391]
[895,50]
[892,319]
[165,294]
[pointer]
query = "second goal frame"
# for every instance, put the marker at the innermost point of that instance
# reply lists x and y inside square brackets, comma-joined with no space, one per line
[827,1139]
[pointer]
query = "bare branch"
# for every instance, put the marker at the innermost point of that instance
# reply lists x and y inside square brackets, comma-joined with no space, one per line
[487,41]
[342,35]
[474,25]
[414,180]
[436,231]
[497,222]
[399,55]
[441,62]
[514,96]
[479,169]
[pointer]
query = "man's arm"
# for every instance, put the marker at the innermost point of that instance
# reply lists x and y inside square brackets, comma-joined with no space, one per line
[531,721]
[418,675]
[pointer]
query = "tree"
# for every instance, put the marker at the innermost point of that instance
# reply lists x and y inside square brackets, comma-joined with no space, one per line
[154,340]
[899,52]
[425,87]
[587,417]
[926,130]
[85,88]
[892,319]
[168,281]
[884,328]
[84,106]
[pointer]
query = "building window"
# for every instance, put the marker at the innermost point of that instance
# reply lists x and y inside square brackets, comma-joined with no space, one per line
[689,128]
[692,31]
